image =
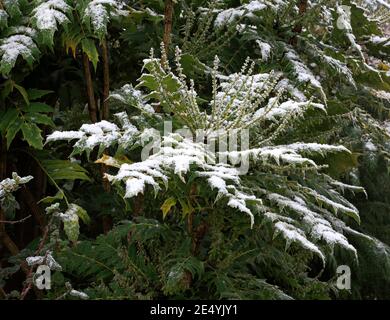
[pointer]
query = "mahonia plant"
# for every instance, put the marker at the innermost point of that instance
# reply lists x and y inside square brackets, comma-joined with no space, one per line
[303,203]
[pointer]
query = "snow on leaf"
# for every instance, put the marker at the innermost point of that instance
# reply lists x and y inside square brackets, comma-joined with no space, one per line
[64,135]
[3,18]
[79,294]
[320,228]
[9,185]
[293,234]
[51,262]
[344,23]
[32,261]
[341,68]
[230,15]
[265,50]
[14,46]
[48,15]
[302,72]
[98,14]
[47,259]
[103,134]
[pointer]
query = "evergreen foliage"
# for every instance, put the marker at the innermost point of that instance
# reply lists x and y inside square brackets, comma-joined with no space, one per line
[121,209]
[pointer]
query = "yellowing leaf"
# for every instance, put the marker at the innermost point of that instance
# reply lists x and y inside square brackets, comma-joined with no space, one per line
[110,161]
[167,205]
[186,207]
[72,45]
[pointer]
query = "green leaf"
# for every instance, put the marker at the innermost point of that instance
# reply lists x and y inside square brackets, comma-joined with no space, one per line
[39,107]
[50,199]
[35,94]
[3,19]
[186,207]
[81,212]
[167,205]
[12,7]
[8,87]
[7,118]
[12,130]
[32,135]
[40,118]
[72,228]
[89,48]
[30,53]
[64,170]
[23,92]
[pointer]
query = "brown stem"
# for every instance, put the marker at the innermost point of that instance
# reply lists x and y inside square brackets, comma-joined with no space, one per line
[138,205]
[168,13]
[302,7]
[190,222]
[90,92]
[16,221]
[107,221]
[14,250]
[30,201]
[10,245]
[106,81]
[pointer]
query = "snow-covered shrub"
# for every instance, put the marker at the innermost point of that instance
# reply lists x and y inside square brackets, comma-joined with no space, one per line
[284,185]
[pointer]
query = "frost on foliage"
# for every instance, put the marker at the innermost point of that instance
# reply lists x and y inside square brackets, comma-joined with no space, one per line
[340,67]
[48,15]
[375,4]
[306,217]
[175,157]
[13,46]
[302,72]
[36,260]
[385,41]
[47,259]
[7,187]
[98,14]
[70,218]
[10,185]
[287,154]
[272,112]
[12,7]
[240,100]
[265,50]
[238,91]
[248,10]
[344,23]
[3,18]
[274,108]
[71,224]
[320,229]
[293,234]
[385,95]
[130,96]
[102,134]
[78,294]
